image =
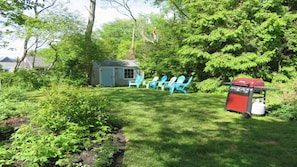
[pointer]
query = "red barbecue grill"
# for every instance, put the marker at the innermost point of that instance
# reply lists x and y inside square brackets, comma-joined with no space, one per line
[241,94]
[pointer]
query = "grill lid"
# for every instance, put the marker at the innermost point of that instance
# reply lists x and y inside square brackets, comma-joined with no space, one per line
[249,82]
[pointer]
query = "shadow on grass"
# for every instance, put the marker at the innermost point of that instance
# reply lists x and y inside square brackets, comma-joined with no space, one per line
[193,130]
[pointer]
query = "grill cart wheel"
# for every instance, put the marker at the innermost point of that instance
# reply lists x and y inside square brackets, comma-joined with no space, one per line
[246,115]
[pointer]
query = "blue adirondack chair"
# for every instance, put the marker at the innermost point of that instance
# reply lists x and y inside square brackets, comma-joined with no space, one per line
[180,86]
[147,84]
[179,80]
[156,83]
[167,83]
[137,81]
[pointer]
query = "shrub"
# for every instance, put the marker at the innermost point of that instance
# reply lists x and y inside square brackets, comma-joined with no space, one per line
[286,111]
[25,79]
[71,104]
[70,119]
[287,105]
[12,102]
[209,85]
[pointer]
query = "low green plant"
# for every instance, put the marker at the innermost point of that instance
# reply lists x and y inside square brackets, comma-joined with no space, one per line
[69,120]
[33,146]
[25,79]
[286,106]
[71,104]
[5,155]
[209,85]
[106,153]
[286,111]
[12,94]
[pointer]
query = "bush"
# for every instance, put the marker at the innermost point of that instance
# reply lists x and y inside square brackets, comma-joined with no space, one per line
[209,85]
[287,103]
[12,102]
[69,120]
[286,111]
[25,79]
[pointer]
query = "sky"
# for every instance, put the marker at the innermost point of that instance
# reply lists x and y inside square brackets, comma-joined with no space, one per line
[104,14]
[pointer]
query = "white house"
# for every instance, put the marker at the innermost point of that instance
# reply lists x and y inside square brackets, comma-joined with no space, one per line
[7,64]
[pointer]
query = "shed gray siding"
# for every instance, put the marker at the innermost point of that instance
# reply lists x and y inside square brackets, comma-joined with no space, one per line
[117,78]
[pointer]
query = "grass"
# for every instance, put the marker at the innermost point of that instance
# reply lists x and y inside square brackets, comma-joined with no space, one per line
[164,130]
[194,130]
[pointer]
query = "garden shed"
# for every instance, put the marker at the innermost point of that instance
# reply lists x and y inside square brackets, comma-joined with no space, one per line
[114,72]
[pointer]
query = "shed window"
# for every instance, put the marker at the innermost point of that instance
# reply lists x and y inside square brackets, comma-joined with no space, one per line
[129,73]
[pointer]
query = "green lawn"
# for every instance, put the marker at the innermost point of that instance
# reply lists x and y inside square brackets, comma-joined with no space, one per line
[190,130]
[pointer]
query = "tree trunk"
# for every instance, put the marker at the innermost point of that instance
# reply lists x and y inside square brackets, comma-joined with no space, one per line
[25,51]
[88,38]
[132,48]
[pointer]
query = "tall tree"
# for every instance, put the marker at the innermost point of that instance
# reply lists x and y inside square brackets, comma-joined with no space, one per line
[123,7]
[31,23]
[10,15]
[57,24]
[88,37]
[226,38]
[116,37]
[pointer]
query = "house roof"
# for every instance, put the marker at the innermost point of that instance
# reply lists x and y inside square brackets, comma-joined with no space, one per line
[7,59]
[39,62]
[119,63]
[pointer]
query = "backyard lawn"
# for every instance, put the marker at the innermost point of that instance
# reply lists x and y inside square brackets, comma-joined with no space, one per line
[178,130]
[194,130]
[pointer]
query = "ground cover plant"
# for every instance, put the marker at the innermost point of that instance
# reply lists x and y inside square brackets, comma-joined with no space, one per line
[194,130]
[67,123]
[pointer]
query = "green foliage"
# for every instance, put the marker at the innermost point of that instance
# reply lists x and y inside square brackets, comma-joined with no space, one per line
[116,37]
[227,38]
[25,79]
[12,94]
[12,11]
[13,103]
[278,77]
[69,120]
[286,112]
[5,155]
[106,153]
[69,104]
[288,92]
[286,106]
[72,63]
[160,58]
[209,85]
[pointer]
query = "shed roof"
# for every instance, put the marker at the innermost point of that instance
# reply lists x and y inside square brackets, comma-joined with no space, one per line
[119,63]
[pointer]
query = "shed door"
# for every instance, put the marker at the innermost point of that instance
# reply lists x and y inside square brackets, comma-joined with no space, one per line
[107,77]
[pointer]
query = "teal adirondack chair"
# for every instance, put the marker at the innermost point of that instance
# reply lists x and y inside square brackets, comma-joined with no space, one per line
[147,84]
[179,80]
[137,81]
[181,86]
[157,83]
[167,84]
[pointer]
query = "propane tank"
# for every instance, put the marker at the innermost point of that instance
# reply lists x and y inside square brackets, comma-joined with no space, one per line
[258,108]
